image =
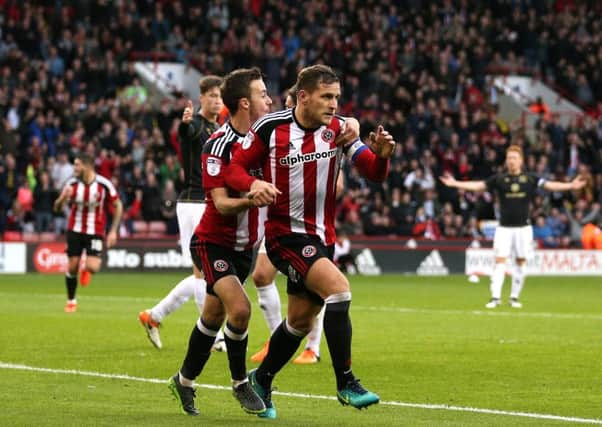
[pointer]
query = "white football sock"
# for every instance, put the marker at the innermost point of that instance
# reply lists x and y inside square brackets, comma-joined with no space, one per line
[269,302]
[497,280]
[175,298]
[315,336]
[518,280]
[200,291]
[185,381]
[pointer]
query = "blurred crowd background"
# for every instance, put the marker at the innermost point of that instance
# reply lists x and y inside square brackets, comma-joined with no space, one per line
[420,68]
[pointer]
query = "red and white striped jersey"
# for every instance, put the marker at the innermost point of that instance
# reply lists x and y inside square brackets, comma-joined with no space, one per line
[88,203]
[244,230]
[303,164]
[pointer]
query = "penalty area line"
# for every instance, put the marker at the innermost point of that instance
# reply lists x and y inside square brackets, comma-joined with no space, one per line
[14,366]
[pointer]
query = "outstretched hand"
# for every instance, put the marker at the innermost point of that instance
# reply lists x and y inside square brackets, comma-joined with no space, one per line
[579,182]
[382,143]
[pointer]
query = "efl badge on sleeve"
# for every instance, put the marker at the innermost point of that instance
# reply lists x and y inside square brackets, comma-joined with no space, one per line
[214,166]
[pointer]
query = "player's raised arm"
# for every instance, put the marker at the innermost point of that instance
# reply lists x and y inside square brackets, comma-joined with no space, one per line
[576,184]
[372,161]
[450,181]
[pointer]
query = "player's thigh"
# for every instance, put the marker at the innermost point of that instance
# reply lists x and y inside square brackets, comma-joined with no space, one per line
[325,279]
[264,272]
[94,247]
[502,242]
[93,263]
[302,311]
[523,246]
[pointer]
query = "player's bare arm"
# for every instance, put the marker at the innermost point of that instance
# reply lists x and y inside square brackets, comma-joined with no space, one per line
[117,213]
[576,184]
[63,198]
[450,181]
[227,205]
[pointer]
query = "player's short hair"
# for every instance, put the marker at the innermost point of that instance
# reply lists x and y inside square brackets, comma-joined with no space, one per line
[206,83]
[310,78]
[237,85]
[85,158]
[516,149]
[292,92]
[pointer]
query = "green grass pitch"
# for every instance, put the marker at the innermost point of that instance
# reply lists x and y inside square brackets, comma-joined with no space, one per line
[417,342]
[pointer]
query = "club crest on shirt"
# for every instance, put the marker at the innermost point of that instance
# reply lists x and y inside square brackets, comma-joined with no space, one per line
[246,144]
[327,135]
[220,265]
[214,166]
[309,251]
[514,187]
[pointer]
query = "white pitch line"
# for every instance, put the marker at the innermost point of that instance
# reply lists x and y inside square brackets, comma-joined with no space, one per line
[406,310]
[14,366]
[544,315]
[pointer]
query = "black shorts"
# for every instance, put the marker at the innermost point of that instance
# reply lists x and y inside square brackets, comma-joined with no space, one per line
[217,261]
[294,254]
[77,242]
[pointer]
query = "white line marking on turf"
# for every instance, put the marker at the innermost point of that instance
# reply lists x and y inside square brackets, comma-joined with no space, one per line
[481,312]
[5,365]
[403,310]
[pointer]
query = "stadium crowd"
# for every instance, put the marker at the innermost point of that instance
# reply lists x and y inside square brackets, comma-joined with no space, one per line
[420,68]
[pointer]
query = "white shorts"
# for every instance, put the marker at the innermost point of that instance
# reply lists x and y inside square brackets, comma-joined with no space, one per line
[189,216]
[517,241]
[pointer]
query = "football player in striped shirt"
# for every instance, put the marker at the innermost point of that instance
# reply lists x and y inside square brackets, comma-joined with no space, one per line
[89,196]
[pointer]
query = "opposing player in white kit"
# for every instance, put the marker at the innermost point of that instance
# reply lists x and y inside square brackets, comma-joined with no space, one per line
[514,236]
[194,130]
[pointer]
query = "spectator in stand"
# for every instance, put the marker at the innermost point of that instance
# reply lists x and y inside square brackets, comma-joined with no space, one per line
[543,234]
[151,199]
[168,207]
[43,200]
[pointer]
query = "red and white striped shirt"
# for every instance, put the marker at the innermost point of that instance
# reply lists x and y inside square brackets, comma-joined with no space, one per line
[88,203]
[303,164]
[239,232]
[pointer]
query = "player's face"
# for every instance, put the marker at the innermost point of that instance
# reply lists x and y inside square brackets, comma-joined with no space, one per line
[260,102]
[322,103]
[514,162]
[211,101]
[289,102]
[78,168]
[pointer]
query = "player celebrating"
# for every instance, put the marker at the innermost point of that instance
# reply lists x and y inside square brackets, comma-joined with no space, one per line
[222,248]
[194,130]
[300,159]
[89,195]
[515,189]
[264,276]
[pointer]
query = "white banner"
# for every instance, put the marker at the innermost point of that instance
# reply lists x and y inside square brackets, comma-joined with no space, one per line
[13,257]
[560,262]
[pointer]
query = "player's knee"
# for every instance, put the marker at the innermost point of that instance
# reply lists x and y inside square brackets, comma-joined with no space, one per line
[339,302]
[261,277]
[239,314]
[300,325]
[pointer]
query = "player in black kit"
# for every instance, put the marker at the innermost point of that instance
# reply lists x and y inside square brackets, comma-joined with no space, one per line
[515,189]
[194,130]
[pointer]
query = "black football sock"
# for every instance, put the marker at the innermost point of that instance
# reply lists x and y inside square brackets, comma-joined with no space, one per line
[71,283]
[337,329]
[236,344]
[199,350]
[283,344]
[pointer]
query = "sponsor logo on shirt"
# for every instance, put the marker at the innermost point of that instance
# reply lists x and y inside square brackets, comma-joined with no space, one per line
[293,159]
